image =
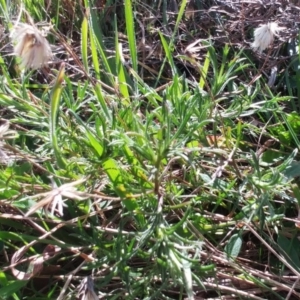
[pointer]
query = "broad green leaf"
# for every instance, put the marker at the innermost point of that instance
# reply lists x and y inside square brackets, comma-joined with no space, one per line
[114,173]
[136,168]
[233,246]
[12,287]
[3,278]
[290,250]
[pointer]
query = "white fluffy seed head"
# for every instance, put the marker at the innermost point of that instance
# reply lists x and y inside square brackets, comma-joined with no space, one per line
[30,45]
[264,36]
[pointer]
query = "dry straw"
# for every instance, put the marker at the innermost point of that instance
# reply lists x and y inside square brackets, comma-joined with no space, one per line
[86,289]
[30,45]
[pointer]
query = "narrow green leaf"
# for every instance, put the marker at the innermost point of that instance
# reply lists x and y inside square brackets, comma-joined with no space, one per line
[187,272]
[55,99]
[179,16]
[224,62]
[3,7]
[101,99]
[93,48]
[123,86]
[204,71]
[131,33]
[296,192]
[84,43]
[168,53]
[94,142]
[97,36]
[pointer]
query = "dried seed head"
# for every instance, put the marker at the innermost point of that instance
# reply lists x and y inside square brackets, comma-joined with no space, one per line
[53,200]
[30,45]
[264,36]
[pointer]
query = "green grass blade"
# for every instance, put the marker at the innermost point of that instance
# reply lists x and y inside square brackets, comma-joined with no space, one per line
[94,52]
[122,80]
[131,33]
[84,43]
[114,173]
[180,15]
[97,36]
[55,100]
[91,137]
[169,54]
[204,71]
[101,99]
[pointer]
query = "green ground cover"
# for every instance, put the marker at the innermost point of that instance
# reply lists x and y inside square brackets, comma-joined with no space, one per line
[153,158]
